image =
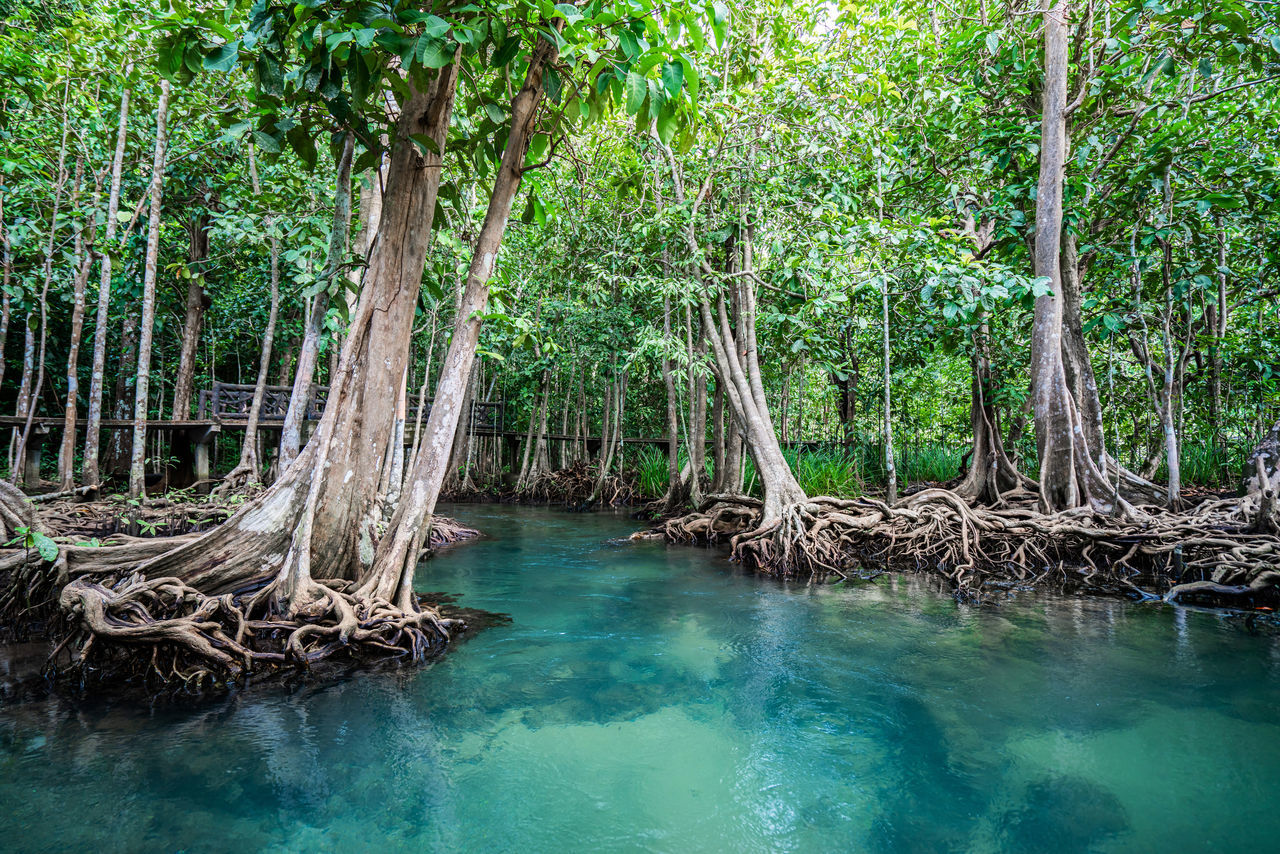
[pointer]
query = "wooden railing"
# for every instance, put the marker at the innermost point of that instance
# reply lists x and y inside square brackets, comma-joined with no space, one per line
[231,402]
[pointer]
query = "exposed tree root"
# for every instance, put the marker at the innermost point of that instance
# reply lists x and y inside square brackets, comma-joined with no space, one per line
[445,530]
[114,624]
[163,632]
[1214,553]
[15,511]
[170,516]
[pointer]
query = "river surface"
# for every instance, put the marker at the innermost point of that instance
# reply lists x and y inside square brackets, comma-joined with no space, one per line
[653,698]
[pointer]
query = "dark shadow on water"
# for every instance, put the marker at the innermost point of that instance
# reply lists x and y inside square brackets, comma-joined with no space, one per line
[1063,814]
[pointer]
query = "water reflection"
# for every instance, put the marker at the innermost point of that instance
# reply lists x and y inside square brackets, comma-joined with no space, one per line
[652,698]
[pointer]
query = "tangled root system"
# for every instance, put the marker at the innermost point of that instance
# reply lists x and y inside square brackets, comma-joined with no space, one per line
[113,625]
[1216,553]
[162,633]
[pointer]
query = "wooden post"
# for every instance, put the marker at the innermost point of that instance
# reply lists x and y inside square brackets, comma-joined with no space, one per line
[201,439]
[31,460]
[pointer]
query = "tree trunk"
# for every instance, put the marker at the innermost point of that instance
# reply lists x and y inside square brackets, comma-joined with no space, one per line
[991,472]
[422,392]
[137,472]
[611,431]
[249,469]
[196,305]
[719,440]
[738,368]
[6,272]
[399,549]
[1216,320]
[1265,459]
[24,402]
[317,520]
[119,448]
[1068,476]
[675,493]
[308,356]
[33,400]
[66,455]
[93,426]
[698,406]
[1173,360]
[82,261]
[890,466]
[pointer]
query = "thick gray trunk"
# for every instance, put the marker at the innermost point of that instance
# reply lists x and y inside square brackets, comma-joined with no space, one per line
[398,550]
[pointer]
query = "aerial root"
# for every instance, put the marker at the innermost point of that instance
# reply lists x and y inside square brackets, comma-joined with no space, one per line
[445,530]
[1214,553]
[163,630]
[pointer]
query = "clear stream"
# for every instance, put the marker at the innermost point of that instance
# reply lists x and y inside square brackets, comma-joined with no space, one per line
[653,698]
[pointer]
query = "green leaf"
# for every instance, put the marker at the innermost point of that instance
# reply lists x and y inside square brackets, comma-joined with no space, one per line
[720,22]
[657,97]
[266,142]
[1223,200]
[425,143]
[337,39]
[303,145]
[270,74]
[629,45]
[636,91]
[667,125]
[359,78]
[47,548]
[695,34]
[433,53]
[552,85]
[569,12]
[495,113]
[435,27]
[993,43]
[690,74]
[672,78]
[506,52]
[222,58]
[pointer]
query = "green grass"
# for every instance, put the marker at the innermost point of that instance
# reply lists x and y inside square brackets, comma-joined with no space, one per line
[1205,463]
[832,470]
[650,465]
[929,463]
[827,471]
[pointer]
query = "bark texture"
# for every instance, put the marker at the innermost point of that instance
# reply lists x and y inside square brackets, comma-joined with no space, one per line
[93,425]
[142,387]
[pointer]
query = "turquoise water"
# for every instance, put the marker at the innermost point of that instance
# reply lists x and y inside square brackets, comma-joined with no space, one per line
[647,698]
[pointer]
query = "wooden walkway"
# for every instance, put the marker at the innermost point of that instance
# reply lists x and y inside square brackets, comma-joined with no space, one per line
[225,408]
